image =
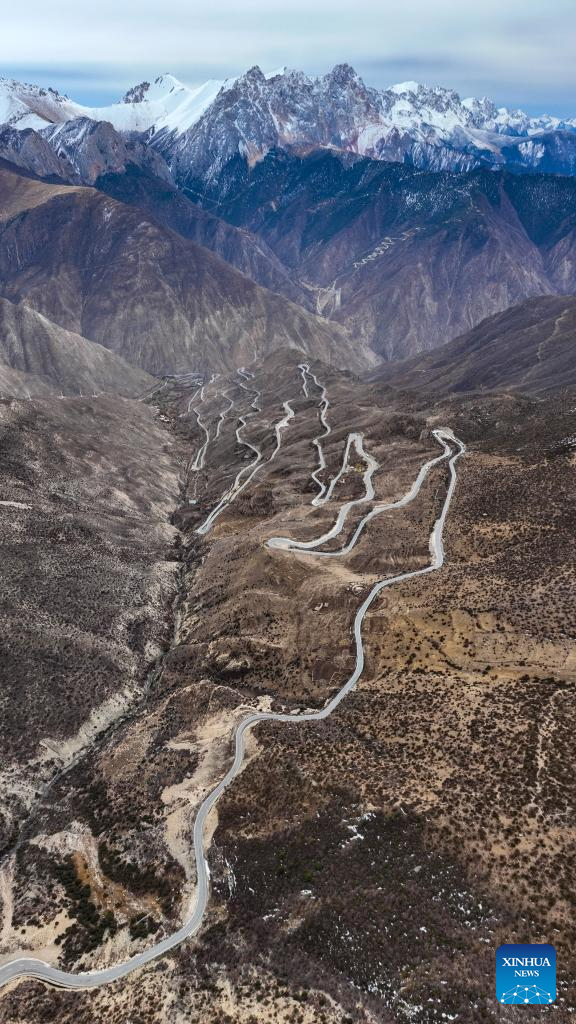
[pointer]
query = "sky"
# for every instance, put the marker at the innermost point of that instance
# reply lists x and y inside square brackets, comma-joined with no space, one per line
[517,52]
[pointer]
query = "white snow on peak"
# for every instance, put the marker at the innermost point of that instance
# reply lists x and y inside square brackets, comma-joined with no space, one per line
[163,86]
[470,102]
[182,107]
[17,114]
[30,106]
[404,87]
[166,105]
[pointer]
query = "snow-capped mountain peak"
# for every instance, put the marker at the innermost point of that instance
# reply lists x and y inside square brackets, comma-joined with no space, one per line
[197,129]
[158,90]
[32,106]
[164,103]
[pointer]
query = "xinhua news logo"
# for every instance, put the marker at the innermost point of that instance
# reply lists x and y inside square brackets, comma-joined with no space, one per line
[526,974]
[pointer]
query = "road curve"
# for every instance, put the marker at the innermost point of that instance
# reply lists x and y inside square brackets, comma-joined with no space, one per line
[244,475]
[28,967]
[317,441]
[310,547]
[198,463]
[247,474]
[222,416]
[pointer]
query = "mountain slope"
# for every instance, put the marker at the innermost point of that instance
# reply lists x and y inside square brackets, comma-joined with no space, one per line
[79,151]
[103,270]
[531,348]
[413,794]
[407,259]
[267,173]
[166,103]
[122,165]
[241,248]
[38,357]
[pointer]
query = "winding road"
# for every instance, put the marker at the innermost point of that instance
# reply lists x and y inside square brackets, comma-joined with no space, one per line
[242,480]
[28,967]
[317,441]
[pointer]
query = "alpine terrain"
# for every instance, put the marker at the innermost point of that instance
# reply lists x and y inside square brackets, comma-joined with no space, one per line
[288,549]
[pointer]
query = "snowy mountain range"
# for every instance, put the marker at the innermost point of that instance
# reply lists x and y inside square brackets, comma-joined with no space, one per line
[189,134]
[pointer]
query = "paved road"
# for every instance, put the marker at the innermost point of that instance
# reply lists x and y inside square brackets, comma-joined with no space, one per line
[244,476]
[307,376]
[247,474]
[356,441]
[25,967]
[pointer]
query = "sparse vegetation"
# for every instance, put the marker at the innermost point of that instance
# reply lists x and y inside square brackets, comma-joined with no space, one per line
[364,868]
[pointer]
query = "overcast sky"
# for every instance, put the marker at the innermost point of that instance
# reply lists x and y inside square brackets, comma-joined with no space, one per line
[517,52]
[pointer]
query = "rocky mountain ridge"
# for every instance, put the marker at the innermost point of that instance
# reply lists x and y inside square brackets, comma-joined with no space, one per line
[197,130]
[37,357]
[308,188]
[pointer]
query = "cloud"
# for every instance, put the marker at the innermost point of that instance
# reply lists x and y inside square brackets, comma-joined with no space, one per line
[382,66]
[507,51]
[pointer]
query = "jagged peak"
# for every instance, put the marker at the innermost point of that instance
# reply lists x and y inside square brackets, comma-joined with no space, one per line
[136,94]
[343,75]
[167,82]
[254,74]
[405,87]
[336,109]
[420,90]
[161,87]
[292,79]
[26,88]
[278,73]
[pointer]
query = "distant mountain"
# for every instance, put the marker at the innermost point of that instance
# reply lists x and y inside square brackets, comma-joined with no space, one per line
[38,357]
[167,103]
[94,153]
[406,259]
[397,260]
[271,210]
[411,123]
[197,131]
[531,348]
[106,271]
[79,151]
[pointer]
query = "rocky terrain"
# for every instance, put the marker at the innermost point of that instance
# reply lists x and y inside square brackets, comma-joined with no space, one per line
[354,261]
[240,247]
[392,221]
[79,151]
[363,868]
[234,320]
[88,580]
[406,259]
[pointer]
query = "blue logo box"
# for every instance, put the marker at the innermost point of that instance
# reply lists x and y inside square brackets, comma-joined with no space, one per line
[526,974]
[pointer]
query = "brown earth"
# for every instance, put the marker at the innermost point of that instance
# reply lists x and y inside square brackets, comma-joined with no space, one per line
[39,358]
[364,868]
[112,274]
[530,348]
